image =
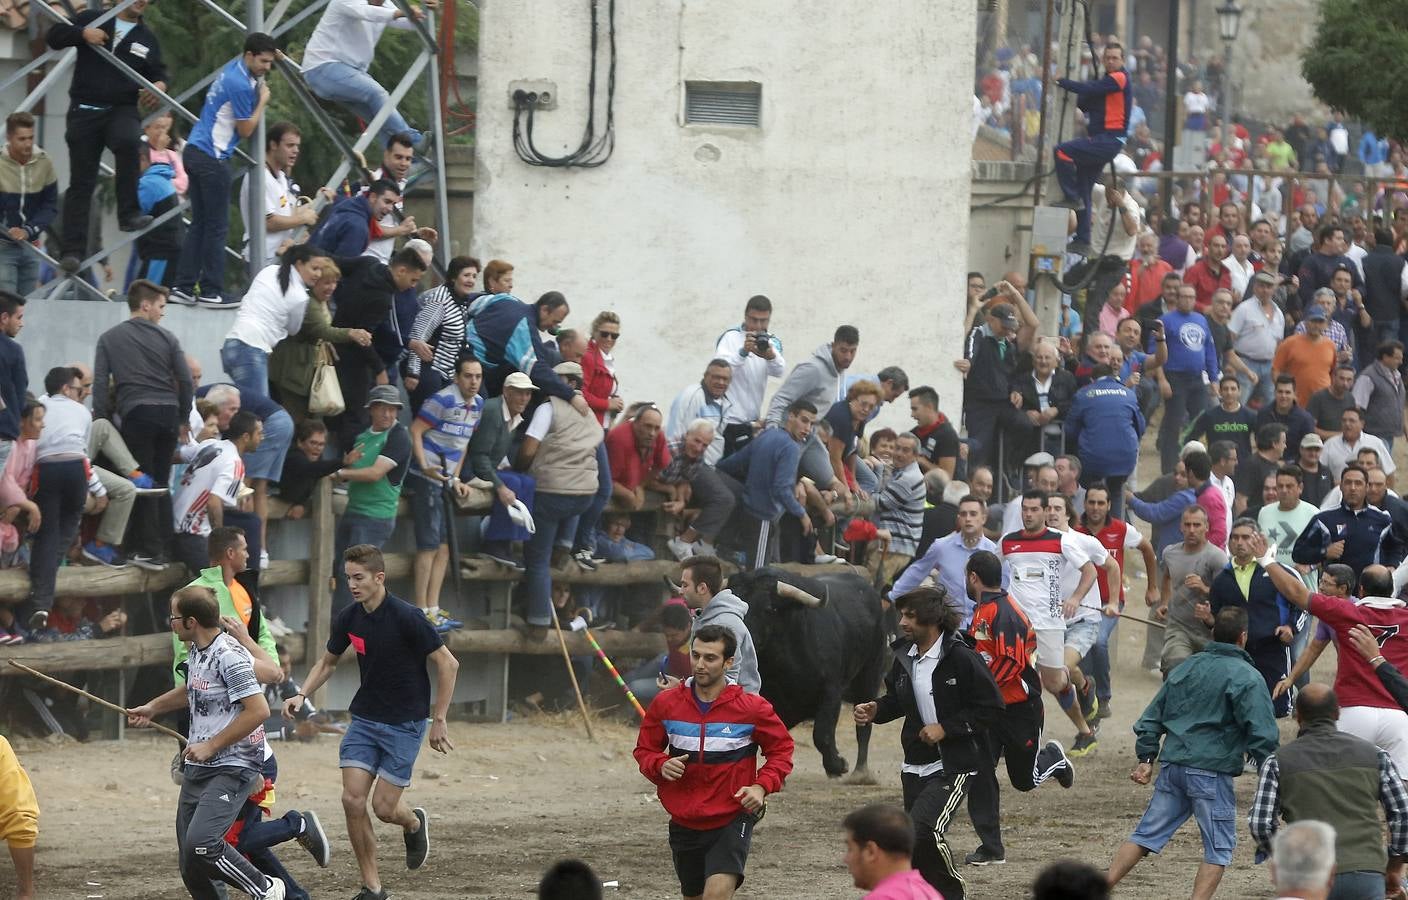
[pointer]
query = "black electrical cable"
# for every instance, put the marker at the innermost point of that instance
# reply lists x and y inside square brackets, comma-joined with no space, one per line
[594,149]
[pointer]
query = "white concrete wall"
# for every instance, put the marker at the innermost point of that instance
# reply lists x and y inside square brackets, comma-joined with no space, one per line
[849,205]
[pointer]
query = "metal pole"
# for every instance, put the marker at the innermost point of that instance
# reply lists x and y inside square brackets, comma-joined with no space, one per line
[1226,94]
[437,128]
[254,178]
[1045,97]
[1170,105]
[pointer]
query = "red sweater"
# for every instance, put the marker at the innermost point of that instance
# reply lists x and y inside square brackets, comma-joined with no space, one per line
[721,749]
[598,384]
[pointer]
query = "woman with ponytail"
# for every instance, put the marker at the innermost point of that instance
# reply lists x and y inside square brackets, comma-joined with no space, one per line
[272,310]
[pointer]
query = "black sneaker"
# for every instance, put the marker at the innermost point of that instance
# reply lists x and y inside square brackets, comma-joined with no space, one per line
[1065,774]
[504,559]
[1085,743]
[152,562]
[984,857]
[181,298]
[1075,204]
[314,839]
[136,223]
[1089,703]
[367,893]
[585,559]
[418,841]
[38,620]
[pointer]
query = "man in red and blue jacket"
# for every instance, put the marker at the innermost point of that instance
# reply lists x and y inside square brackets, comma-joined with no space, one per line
[699,743]
[1106,102]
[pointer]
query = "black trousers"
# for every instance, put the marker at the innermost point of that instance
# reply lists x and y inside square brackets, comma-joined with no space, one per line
[735,436]
[1016,736]
[356,381]
[151,433]
[63,488]
[88,132]
[932,801]
[1273,660]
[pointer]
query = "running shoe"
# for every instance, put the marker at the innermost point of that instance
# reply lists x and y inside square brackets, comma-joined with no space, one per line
[1066,775]
[367,893]
[39,619]
[276,891]
[446,622]
[177,296]
[1102,711]
[217,301]
[984,857]
[105,555]
[586,560]
[1089,703]
[418,841]
[314,839]
[152,562]
[141,480]
[1084,745]
[682,549]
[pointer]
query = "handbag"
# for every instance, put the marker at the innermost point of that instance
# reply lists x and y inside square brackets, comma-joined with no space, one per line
[325,394]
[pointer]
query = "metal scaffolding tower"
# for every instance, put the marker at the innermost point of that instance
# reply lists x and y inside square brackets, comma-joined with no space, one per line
[276,23]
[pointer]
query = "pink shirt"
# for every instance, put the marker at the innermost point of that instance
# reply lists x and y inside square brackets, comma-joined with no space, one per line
[1110,319]
[173,158]
[907,885]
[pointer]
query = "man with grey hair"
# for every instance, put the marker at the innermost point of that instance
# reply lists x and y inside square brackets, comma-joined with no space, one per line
[1303,865]
[702,487]
[899,510]
[706,400]
[1334,329]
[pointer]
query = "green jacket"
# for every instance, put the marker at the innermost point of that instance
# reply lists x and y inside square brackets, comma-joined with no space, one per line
[1213,710]
[214,579]
[295,358]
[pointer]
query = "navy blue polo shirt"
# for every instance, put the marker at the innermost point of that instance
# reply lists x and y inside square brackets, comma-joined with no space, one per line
[392,644]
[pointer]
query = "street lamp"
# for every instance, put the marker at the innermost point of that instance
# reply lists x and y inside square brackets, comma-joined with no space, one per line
[1229,21]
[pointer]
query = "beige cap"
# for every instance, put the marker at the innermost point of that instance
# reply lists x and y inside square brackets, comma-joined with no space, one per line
[1312,440]
[568,368]
[520,381]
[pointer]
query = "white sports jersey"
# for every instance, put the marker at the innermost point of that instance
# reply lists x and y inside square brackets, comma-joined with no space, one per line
[1070,575]
[1037,563]
[215,470]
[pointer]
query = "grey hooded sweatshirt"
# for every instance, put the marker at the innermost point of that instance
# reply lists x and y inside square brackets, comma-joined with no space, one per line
[728,610]
[815,378]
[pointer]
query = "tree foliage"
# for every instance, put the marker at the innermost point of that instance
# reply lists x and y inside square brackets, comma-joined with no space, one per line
[1358,62]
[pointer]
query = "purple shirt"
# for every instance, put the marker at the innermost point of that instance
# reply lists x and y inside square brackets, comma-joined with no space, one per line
[907,885]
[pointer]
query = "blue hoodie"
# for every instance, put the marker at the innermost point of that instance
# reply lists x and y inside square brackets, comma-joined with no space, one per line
[503,333]
[1105,425]
[767,466]
[347,230]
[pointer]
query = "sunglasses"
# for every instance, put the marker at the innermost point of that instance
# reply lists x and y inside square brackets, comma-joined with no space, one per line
[608,335]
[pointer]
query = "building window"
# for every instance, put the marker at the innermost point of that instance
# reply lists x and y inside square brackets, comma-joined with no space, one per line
[723,103]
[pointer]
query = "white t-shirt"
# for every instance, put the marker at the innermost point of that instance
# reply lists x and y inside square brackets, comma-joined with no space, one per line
[1037,564]
[382,248]
[1196,103]
[541,423]
[1093,550]
[216,470]
[279,200]
[923,686]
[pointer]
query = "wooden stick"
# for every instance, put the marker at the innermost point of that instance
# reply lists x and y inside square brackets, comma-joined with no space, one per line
[567,658]
[98,700]
[1150,623]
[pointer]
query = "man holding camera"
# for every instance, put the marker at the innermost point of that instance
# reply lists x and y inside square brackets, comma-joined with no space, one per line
[755,356]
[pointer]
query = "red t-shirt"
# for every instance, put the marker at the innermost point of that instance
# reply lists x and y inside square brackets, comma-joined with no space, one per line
[1356,683]
[628,468]
[1115,537]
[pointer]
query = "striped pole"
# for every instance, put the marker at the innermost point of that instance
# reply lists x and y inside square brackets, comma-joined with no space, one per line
[614,674]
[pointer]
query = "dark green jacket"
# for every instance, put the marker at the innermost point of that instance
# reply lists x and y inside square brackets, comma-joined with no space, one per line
[1333,777]
[1212,712]
[490,442]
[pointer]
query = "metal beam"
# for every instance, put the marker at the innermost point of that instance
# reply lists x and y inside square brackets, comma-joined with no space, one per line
[254,178]
[36,63]
[377,121]
[442,190]
[48,81]
[254,6]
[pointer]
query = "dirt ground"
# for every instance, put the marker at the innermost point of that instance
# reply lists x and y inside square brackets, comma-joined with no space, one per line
[513,798]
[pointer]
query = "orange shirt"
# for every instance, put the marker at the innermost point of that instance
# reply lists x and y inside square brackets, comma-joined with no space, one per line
[240,597]
[1311,362]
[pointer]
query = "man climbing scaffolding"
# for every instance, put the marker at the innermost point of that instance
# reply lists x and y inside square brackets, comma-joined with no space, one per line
[1106,103]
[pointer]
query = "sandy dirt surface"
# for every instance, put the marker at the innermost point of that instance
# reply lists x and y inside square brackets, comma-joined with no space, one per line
[513,798]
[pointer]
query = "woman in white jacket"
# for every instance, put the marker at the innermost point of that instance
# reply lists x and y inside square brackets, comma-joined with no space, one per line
[272,310]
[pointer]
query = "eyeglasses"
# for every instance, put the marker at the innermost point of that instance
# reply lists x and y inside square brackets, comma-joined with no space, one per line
[608,335]
[170,619]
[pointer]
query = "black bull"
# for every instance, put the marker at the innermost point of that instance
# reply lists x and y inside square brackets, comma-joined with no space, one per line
[812,657]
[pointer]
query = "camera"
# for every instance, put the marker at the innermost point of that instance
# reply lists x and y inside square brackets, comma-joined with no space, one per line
[761,342]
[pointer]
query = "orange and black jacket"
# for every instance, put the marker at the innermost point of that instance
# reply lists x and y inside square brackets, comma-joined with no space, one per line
[1004,638]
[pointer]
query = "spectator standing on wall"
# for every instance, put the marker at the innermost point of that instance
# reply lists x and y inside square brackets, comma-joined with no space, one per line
[29,200]
[14,379]
[755,356]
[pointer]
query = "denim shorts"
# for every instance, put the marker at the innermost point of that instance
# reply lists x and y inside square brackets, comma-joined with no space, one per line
[1180,792]
[427,502]
[387,751]
[267,460]
[1081,635]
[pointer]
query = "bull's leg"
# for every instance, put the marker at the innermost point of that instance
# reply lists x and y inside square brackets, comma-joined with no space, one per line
[824,733]
[862,773]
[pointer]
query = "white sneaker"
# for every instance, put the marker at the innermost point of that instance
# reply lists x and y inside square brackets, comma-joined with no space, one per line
[276,890]
[683,550]
[263,560]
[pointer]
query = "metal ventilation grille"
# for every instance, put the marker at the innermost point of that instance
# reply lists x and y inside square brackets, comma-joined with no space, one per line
[723,103]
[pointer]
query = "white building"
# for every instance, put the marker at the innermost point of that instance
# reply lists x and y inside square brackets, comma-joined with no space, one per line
[846,202]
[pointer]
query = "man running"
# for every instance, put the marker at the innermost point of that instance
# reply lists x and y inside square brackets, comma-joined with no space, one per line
[1036,556]
[1367,709]
[393,640]
[947,697]
[1003,637]
[1083,613]
[698,744]
[224,754]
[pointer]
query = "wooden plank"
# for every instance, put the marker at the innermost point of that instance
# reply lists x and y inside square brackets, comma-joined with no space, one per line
[93,581]
[617,574]
[100,654]
[319,569]
[625,644]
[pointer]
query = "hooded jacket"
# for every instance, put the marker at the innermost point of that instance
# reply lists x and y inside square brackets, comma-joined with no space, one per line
[29,194]
[966,698]
[816,379]
[347,231]
[727,609]
[720,747]
[156,194]
[503,333]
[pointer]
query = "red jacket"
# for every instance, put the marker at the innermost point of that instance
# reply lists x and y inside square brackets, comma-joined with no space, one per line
[1200,276]
[598,384]
[721,747]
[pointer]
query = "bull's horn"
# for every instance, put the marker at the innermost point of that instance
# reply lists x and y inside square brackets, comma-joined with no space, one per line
[792,592]
[676,588]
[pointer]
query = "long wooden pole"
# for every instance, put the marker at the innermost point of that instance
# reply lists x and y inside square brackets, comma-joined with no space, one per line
[576,688]
[1149,622]
[98,700]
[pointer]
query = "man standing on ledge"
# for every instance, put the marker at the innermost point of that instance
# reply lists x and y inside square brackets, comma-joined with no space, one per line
[1106,103]
[393,639]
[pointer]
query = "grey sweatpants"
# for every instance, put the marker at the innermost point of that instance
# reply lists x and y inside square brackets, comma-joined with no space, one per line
[211,799]
[712,493]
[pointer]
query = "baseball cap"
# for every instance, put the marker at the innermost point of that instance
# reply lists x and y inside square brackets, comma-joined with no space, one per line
[1315,313]
[1004,314]
[1040,459]
[1264,278]
[568,368]
[1312,440]
[1191,447]
[384,393]
[519,380]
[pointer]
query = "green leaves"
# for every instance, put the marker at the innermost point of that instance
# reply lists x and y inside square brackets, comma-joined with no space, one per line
[1358,62]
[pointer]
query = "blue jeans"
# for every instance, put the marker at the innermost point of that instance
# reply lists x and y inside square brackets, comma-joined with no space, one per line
[248,367]
[583,533]
[359,92]
[267,460]
[1357,886]
[499,526]
[1182,791]
[1078,164]
[427,501]
[1097,662]
[354,529]
[550,515]
[19,268]
[1265,385]
[203,253]
[1190,397]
